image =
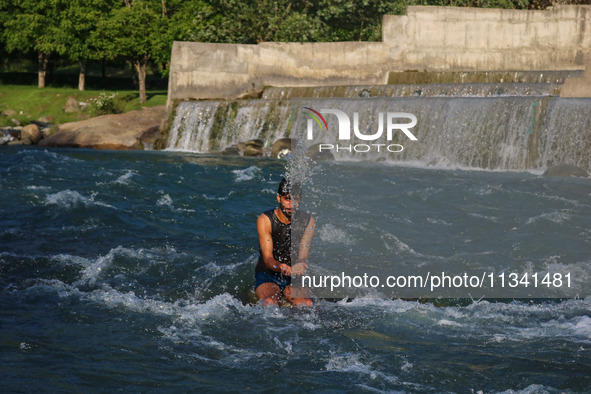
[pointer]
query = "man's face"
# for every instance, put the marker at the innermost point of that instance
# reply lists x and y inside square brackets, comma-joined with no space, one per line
[287,205]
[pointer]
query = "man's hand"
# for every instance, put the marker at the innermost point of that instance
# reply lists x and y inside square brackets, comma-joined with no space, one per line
[299,268]
[285,269]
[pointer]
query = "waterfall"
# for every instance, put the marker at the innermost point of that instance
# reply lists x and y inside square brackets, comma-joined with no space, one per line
[210,126]
[494,132]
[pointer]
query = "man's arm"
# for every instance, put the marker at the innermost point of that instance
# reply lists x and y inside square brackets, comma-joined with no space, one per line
[305,245]
[266,244]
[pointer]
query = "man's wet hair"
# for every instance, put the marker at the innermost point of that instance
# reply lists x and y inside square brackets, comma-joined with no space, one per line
[286,187]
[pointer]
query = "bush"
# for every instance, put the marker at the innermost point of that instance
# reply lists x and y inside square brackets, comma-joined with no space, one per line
[104,104]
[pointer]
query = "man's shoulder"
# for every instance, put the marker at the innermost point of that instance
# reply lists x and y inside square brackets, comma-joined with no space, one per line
[267,214]
[264,222]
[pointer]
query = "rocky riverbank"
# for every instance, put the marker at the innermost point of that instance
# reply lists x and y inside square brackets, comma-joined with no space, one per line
[131,130]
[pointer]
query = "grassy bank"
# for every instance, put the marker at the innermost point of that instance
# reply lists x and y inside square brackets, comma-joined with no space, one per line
[32,103]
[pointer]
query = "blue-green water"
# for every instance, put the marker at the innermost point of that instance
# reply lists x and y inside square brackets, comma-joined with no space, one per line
[131,271]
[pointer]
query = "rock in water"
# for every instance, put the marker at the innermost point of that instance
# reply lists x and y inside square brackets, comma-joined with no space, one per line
[253,148]
[255,143]
[315,154]
[283,147]
[231,151]
[252,151]
[31,132]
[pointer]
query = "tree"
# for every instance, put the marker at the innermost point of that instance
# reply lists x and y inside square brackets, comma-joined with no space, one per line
[242,22]
[77,20]
[32,25]
[136,30]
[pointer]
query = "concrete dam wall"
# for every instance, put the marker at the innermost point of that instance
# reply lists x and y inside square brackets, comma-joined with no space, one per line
[432,39]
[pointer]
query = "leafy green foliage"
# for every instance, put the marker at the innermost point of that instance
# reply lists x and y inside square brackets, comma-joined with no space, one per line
[137,31]
[103,104]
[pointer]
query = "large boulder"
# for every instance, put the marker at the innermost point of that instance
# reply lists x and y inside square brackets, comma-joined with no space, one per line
[252,151]
[255,143]
[315,154]
[31,131]
[566,170]
[253,148]
[283,147]
[22,141]
[123,131]
[231,151]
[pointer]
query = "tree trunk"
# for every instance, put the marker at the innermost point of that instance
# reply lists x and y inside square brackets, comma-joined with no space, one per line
[42,68]
[140,68]
[103,72]
[82,76]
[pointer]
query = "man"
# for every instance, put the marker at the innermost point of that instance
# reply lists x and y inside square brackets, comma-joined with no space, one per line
[277,240]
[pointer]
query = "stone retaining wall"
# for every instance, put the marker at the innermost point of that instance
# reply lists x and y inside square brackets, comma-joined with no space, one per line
[424,39]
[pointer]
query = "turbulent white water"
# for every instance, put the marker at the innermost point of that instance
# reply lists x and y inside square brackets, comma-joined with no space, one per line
[133,271]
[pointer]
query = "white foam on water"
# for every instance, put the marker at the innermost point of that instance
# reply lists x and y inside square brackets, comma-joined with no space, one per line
[67,199]
[46,153]
[406,366]
[165,200]
[6,137]
[348,363]
[499,338]
[351,363]
[67,259]
[393,243]
[216,198]
[311,326]
[333,234]
[186,312]
[554,217]
[286,346]
[581,326]
[439,222]
[532,389]
[94,269]
[247,174]
[448,165]
[218,306]
[493,219]
[128,300]
[39,188]
[516,322]
[449,323]
[125,178]
[393,306]
[574,203]
[576,275]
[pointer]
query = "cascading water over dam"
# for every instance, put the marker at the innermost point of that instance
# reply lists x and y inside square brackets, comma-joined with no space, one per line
[504,126]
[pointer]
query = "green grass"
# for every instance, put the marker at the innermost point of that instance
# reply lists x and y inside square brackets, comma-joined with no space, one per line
[32,103]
